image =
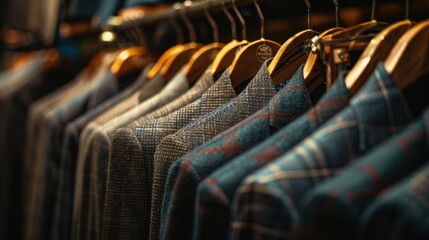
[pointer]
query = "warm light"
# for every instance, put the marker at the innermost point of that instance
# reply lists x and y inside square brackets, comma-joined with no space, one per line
[108,36]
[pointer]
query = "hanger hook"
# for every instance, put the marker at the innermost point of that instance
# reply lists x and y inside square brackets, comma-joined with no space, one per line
[212,22]
[176,27]
[374,4]
[242,21]
[231,21]
[407,9]
[189,26]
[307,3]
[337,13]
[261,18]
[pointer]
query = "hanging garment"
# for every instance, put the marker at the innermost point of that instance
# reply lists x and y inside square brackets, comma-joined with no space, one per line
[258,93]
[56,111]
[132,156]
[89,199]
[333,208]
[67,167]
[378,111]
[288,104]
[401,212]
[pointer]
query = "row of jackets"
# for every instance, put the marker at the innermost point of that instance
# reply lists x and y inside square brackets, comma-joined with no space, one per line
[104,157]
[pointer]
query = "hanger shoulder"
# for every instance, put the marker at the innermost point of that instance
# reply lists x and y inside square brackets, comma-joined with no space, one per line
[409,58]
[377,50]
[201,60]
[176,62]
[225,57]
[173,51]
[249,60]
[311,69]
[290,56]
[130,60]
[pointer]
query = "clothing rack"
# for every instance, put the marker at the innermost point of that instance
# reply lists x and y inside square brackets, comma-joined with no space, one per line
[196,8]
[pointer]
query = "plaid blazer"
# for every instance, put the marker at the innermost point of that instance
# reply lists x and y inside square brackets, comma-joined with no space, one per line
[192,171]
[179,196]
[400,212]
[96,155]
[256,95]
[272,193]
[41,188]
[332,209]
[61,222]
[128,200]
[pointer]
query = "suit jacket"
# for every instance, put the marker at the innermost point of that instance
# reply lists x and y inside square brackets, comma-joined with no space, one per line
[67,167]
[376,113]
[332,210]
[193,168]
[18,90]
[257,94]
[101,141]
[128,200]
[401,212]
[80,98]
[179,196]
[92,162]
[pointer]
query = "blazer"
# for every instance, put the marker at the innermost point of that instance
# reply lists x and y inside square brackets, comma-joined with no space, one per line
[332,209]
[180,192]
[273,193]
[128,200]
[256,95]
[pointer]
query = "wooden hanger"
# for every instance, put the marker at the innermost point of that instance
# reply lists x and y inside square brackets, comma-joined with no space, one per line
[377,50]
[176,62]
[227,54]
[130,60]
[205,56]
[250,59]
[171,52]
[312,70]
[291,55]
[50,59]
[409,58]
[355,38]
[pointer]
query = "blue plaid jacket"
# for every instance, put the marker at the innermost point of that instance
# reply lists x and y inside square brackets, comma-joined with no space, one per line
[400,212]
[272,194]
[183,178]
[219,188]
[333,209]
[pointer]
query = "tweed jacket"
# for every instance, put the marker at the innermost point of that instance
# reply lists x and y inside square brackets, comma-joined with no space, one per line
[179,196]
[128,200]
[376,113]
[92,159]
[256,95]
[332,210]
[94,171]
[400,212]
[67,168]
